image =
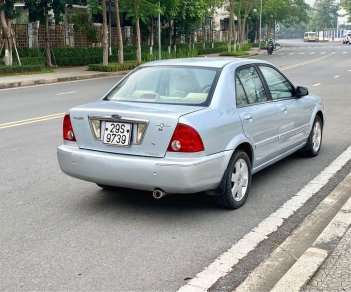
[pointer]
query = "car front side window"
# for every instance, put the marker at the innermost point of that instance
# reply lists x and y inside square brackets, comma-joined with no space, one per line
[249,87]
[278,85]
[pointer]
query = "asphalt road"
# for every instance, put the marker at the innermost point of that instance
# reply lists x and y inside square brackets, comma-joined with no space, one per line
[59,233]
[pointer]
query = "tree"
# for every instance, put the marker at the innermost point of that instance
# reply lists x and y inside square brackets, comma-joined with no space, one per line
[7,13]
[140,10]
[104,34]
[39,11]
[242,9]
[169,10]
[231,35]
[119,34]
[346,4]
[287,12]
[191,14]
[325,15]
[83,25]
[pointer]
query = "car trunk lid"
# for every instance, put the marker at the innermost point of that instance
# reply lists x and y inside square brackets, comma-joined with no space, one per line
[127,128]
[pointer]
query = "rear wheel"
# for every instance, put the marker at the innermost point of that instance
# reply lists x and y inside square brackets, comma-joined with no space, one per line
[234,188]
[314,141]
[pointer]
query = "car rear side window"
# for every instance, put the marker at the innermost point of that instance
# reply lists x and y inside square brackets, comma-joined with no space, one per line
[278,85]
[249,87]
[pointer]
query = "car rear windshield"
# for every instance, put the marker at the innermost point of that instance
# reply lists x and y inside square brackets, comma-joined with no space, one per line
[166,84]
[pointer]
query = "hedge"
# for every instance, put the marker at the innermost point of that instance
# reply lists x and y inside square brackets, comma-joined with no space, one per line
[85,56]
[76,56]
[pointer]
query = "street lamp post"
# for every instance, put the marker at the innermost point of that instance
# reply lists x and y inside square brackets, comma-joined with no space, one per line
[259,44]
[159,30]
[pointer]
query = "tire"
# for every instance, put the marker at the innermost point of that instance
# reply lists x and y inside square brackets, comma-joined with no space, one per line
[235,185]
[314,142]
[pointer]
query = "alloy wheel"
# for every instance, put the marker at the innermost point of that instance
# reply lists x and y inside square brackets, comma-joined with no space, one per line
[316,136]
[240,179]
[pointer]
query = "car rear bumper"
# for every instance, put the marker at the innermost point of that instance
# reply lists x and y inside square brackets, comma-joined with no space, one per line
[173,175]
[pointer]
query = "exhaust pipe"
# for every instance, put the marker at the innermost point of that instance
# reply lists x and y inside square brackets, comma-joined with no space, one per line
[158,193]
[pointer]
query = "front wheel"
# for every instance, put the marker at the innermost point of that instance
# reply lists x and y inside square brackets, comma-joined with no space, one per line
[234,188]
[314,141]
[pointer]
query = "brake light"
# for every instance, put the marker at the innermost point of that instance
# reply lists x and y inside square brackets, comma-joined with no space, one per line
[68,133]
[185,139]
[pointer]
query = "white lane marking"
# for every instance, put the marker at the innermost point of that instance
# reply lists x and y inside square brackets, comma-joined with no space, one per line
[31,121]
[323,53]
[291,53]
[344,52]
[336,76]
[225,262]
[317,84]
[301,53]
[68,92]
[307,62]
[312,53]
[349,70]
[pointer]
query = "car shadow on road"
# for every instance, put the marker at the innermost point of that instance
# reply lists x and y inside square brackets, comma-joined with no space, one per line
[127,200]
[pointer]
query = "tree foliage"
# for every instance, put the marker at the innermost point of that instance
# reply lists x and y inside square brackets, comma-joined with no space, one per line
[346,4]
[325,13]
[38,8]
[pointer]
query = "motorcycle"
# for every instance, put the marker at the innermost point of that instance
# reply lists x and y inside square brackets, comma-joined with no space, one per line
[270,49]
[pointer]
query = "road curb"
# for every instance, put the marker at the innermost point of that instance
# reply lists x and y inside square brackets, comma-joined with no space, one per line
[312,259]
[59,79]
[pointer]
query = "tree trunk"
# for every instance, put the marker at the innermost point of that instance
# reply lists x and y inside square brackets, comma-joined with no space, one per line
[152,32]
[231,25]
[6,25]
[174,32]
[170,32]
[104,35]
[138,40]
[119,35]
[47,37]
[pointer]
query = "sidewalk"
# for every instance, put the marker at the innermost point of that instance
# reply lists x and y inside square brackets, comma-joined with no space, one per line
[326,265]
[59,75]
[335,273]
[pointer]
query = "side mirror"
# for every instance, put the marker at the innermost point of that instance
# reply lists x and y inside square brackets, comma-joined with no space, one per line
[301,91]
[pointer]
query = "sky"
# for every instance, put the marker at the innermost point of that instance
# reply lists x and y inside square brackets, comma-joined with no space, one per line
[309,2]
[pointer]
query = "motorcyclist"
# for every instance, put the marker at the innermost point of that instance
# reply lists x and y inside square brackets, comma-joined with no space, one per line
[270,46]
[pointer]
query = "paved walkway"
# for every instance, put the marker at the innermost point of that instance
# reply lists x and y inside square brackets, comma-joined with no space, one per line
[335,272]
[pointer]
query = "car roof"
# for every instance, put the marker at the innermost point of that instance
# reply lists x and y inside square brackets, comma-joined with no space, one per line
[208,62]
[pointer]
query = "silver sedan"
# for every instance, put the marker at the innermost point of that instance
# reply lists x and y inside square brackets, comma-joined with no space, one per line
[191,125]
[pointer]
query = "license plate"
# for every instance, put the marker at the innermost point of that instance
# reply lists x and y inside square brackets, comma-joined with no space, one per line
[117,133]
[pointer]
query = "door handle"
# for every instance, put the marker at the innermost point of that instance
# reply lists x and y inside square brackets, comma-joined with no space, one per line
[247,117]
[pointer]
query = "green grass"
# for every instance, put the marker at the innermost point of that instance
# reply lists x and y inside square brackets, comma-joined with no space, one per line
[21,70]
[235,54]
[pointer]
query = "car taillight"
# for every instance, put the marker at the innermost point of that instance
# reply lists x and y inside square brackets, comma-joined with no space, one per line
[68,133]
[185,139]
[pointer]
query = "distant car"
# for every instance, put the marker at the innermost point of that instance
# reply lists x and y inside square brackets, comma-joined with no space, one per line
[191,125]
[346,39]
[310,36]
